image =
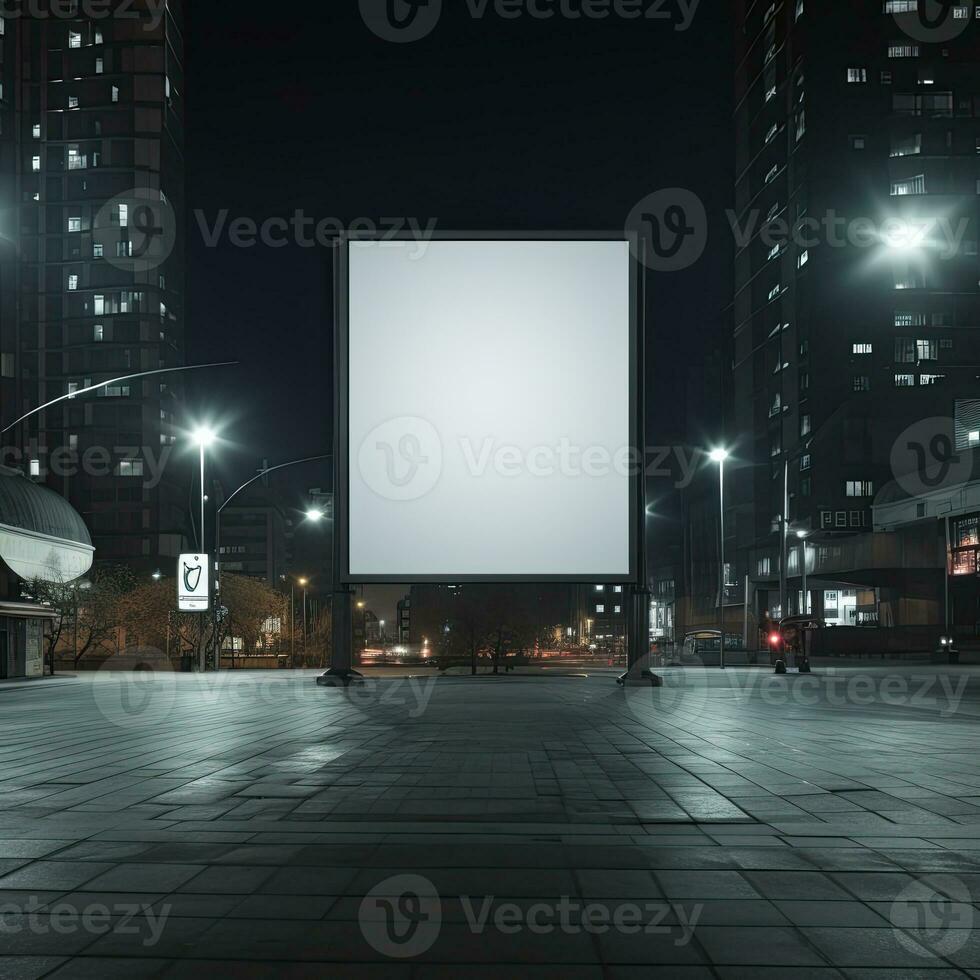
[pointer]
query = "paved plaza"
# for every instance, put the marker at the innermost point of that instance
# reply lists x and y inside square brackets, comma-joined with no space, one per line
[729,824]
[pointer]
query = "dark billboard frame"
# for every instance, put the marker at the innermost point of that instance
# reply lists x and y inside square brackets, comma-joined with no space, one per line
[637,402]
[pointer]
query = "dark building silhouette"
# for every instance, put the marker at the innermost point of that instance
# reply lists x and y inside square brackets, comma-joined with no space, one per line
[856,310]
[91,262]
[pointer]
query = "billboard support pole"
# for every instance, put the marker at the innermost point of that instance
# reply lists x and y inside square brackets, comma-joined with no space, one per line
[341,672]
[638,640]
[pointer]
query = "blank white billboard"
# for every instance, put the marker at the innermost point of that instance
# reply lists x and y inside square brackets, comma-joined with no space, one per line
[489,410]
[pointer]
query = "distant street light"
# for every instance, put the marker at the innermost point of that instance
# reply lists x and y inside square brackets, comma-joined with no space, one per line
[315,515]
[719,456]
[803,535]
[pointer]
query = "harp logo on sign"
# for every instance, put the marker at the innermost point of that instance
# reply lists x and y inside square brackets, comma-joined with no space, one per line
[193,584]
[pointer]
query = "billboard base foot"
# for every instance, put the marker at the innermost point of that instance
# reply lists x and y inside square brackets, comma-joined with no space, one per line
[340,677]
[640,678]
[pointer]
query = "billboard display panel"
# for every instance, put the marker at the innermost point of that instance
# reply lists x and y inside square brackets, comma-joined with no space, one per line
[487,409]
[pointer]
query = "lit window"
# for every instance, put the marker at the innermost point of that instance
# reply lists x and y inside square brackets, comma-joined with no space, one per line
[99,66]
[123,215]
[74,224]
[904,380]
[600,608]
[72,283]
[861,382]
[98,332]
[926,350]
[860,488]
[36,131]
[115,93]
[904,318]
[903,51]
[806,461]
[98,250]
[98,37]
[130,467]
[600,588]
[74,39]
[806,425]
[803,259]
[857,75]
[72,101]
[99,303]
[907,146]
[858,142]
[36,164]
[35,467]
[860,348]
[912,185]
[931,379]
[73,387]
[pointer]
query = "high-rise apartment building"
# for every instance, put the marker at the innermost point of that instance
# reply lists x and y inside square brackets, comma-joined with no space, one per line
[91,260]
[857,308]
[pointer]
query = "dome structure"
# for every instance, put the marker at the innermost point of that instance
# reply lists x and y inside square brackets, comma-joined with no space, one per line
[41,534]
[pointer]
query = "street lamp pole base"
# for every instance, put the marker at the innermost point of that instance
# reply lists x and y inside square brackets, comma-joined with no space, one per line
[340,677]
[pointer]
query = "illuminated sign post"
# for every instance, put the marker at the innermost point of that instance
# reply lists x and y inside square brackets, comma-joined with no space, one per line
[193,583]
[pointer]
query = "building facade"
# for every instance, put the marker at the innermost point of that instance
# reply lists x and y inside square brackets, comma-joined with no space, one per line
[856,315]
[91,264]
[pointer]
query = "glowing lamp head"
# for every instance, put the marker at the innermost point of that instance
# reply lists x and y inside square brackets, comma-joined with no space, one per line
[719,455]
[204,437]
[315,515]
[802,535]
[774,638]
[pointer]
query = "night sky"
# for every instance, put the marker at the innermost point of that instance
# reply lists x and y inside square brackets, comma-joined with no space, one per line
[485,124]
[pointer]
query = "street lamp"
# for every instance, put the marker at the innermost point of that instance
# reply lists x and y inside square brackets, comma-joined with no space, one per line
[803,535]
[719,456]
[204,437]
[304,582]
[314,515]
